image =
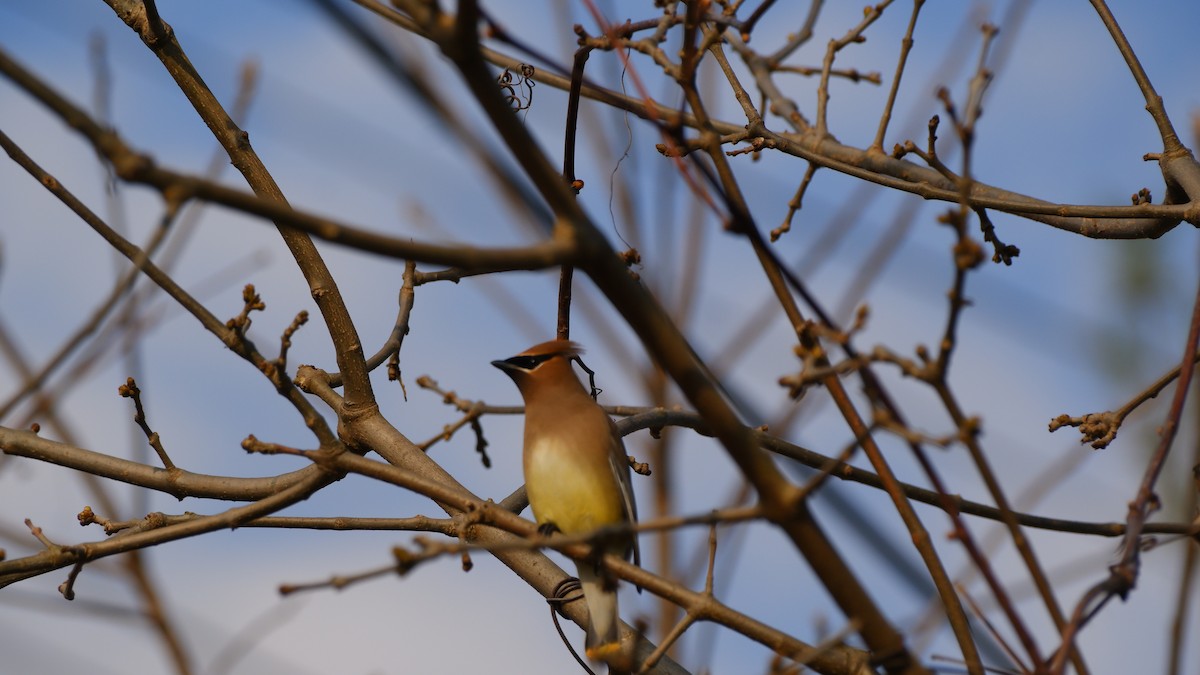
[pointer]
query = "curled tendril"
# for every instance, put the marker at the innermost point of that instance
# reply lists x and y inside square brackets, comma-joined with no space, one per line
[518,87]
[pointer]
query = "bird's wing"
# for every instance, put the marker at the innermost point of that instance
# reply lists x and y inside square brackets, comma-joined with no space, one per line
[619,463]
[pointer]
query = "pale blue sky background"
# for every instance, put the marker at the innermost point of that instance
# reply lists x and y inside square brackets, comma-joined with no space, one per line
[1063,121]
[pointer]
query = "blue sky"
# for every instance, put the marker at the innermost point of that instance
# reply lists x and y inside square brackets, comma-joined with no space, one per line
[1063,120]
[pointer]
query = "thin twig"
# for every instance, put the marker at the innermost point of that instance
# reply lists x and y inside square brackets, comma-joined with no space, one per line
[906,44]
[1123,576]
[131,390]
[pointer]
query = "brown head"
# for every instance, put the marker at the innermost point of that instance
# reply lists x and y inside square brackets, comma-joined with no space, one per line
[544,369]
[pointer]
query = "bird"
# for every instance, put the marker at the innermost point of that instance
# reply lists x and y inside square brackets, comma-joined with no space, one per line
[577,474]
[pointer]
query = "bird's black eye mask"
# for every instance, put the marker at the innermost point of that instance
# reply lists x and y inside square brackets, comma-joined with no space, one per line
[529,362]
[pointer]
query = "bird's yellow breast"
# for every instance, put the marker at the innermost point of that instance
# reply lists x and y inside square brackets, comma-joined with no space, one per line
[578,492]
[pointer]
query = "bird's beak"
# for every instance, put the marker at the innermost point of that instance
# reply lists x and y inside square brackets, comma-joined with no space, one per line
[505,366]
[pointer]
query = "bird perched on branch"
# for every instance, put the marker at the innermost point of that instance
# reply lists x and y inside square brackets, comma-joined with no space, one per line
[576,473]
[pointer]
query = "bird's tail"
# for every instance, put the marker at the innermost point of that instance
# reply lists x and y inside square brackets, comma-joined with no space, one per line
[603,639]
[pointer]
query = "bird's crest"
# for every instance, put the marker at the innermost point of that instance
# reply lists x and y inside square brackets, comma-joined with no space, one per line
[565,348]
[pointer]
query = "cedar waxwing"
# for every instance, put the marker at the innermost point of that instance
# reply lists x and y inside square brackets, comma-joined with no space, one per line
[576,471]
